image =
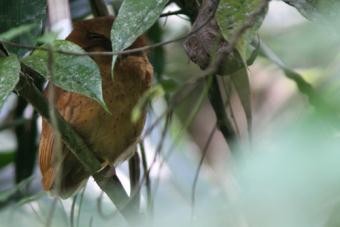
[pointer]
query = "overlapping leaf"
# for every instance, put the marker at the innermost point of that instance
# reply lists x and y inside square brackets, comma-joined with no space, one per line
[232,14]
[9,76]
[79,74]
[134,18]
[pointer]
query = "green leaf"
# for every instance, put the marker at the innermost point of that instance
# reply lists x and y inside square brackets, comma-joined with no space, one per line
[153,92]
[157,55]
[9,76]
[231,15]
[20,12]
[79,74]
[133,19]
[169,85]
[6,158]
[240,79]
[48,38]
[318,9]
[17,31]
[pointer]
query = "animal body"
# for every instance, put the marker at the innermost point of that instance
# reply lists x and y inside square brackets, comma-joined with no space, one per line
[107,134]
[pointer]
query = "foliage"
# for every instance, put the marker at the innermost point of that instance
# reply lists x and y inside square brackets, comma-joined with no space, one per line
[9,76]
[73,73]
[225,37]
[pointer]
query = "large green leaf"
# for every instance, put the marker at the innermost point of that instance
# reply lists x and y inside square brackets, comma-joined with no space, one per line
[231,15]
[79,74]
[9,76]
[19,12]
[134,18]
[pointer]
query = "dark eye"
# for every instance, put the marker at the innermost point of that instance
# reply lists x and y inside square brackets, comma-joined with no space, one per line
[96,36]
[98,40]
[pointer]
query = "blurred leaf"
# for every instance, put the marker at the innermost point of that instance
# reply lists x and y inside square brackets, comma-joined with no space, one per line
[9,193]
[48,38]
[81,8]
[318,9]
[296,42]
[231,15]
[6,158]
[17,31]
[19,12]
[153,92]
[9,76]
[133,19]
[79,74]
[31,198]
[169,85]
[304,87]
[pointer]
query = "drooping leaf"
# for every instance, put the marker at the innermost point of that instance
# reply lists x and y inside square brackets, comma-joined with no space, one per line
[318,9]
[157,56]
[79,74]
[231,15]
[303,86]
[133,19]
[6,158]
[241,82]
[9,76]
[20,12]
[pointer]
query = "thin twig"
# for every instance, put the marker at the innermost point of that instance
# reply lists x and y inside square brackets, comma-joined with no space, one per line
[134,173]
[80,205]
[171,13]
[147,179]
[100,209]
[190,119]
[73,207]
[51,212]
[204,153]
[109,53]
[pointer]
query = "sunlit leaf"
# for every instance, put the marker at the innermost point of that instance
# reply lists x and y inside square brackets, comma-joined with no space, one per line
[79,74]
[9,76]
[22,12]
[232,15]
[133,19]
